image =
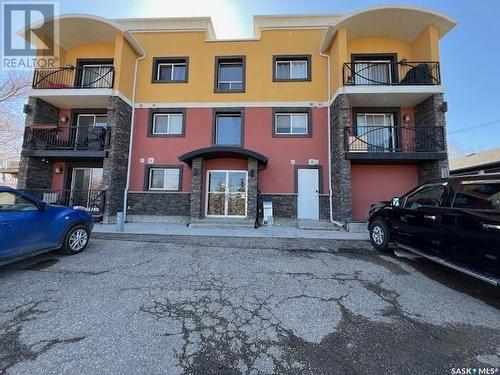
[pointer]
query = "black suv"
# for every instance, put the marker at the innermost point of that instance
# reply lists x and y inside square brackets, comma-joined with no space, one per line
[454,221]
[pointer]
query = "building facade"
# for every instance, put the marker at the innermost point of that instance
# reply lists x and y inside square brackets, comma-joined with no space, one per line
[322,115]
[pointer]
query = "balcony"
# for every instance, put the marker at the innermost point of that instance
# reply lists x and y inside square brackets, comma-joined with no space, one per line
[74,87]
[379,143]
[66,142]
[390,84]
[92,200]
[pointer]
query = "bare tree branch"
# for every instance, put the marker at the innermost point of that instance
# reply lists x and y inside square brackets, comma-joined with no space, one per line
[14,87]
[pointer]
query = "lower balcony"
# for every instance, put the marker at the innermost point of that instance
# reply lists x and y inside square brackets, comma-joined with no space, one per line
[398,143]
[66,142]
[92,200]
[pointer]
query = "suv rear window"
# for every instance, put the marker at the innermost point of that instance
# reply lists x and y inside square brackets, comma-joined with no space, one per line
[478,195]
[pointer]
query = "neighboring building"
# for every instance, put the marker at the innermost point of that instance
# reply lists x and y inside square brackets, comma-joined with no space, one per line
[477,163]
[321,114]
[8,172]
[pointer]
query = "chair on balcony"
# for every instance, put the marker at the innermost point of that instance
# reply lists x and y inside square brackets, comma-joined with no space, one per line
[419,75]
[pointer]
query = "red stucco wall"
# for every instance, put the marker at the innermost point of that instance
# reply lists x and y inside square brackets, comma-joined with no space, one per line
[373,183]
[278,177]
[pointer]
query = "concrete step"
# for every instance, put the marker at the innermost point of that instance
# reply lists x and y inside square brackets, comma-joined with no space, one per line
[356,227]
[222,223]
[316,225]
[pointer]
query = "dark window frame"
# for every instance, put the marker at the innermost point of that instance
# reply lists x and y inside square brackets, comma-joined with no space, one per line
[228,111]
[290,110]
[443,198]
[223,59]
[80,62]
[169,60]
[147,173]
[155,111]
[306,57]
[392,56]
[395,111]
[458,190]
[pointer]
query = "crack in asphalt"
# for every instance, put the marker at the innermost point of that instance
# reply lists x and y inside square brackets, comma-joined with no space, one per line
[12,349]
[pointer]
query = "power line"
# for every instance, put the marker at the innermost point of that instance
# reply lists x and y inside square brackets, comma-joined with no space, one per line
[475,126]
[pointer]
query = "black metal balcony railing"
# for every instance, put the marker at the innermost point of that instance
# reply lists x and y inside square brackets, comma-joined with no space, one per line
[389,73]
[67,138]
[394,139]
[94,77]
[92,200]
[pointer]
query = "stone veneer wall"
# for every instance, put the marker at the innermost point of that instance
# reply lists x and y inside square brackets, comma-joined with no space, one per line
[115,164]
[159,203]
[253,181]
[324,207]
[341,168]
[429,113]
[196,187]
[284,205]
[33,172]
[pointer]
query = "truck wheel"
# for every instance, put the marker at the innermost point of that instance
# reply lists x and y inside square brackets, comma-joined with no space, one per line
[76,240]
[379,235]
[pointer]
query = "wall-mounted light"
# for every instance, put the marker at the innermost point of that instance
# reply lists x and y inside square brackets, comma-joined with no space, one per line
[406,118]
[58,170]
[26,109]
[64,119]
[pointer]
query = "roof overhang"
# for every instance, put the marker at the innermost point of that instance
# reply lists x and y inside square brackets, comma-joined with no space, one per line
[404,23]
[77,29]
[143,25]
[223,152]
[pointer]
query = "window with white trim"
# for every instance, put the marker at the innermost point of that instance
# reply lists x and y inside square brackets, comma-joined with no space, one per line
[167,124]
[164,178]
[291,123]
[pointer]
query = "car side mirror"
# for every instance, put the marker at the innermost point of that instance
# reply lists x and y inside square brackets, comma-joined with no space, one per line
[395,202]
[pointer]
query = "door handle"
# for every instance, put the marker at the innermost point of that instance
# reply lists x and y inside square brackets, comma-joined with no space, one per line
[430,217]
[491,226]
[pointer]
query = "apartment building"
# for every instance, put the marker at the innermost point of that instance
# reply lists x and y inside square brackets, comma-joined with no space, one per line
[320,114]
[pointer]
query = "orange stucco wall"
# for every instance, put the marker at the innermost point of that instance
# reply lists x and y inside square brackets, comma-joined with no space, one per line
[373,183]
[277,177]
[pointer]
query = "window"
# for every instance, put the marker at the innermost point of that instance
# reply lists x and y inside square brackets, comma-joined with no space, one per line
[170,69]
[168,124]
[164,178]
[292,68]
[478,195]
[427,196]
[228,129]
[230,74]
[11,202]
[288,123]
[374,69]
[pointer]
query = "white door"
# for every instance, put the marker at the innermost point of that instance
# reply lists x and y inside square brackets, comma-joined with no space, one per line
[308,193]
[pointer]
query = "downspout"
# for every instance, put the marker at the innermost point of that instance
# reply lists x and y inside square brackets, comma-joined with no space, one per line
[132,123]
[337,223]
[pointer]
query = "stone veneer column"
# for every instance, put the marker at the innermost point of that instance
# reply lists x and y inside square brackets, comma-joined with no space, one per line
[341,168]
[429,113]
[253,181]
[34,172]
[196,187]
[115,164]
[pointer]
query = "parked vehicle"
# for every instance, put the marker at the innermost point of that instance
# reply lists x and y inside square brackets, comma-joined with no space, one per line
[29,226]
[454,221]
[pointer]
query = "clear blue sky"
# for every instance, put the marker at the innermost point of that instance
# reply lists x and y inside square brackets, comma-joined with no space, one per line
[470,54]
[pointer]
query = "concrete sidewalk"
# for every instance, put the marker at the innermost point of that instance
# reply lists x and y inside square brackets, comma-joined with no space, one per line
[275,231]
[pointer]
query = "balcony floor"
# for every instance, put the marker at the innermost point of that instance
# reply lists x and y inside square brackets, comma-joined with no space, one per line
[393,157]
[74,98]
[65,154]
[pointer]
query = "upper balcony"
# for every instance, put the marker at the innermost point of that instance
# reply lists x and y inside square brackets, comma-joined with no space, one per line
[403,143]
[66,142]
[71,77]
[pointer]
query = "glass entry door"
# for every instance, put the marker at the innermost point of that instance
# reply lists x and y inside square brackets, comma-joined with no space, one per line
[86,186]
[226,193]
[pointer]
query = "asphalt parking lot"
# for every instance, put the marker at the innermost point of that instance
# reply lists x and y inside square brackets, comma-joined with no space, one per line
[242,306]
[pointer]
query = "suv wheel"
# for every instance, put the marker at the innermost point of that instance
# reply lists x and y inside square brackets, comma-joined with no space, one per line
[76,240]
[379,235]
